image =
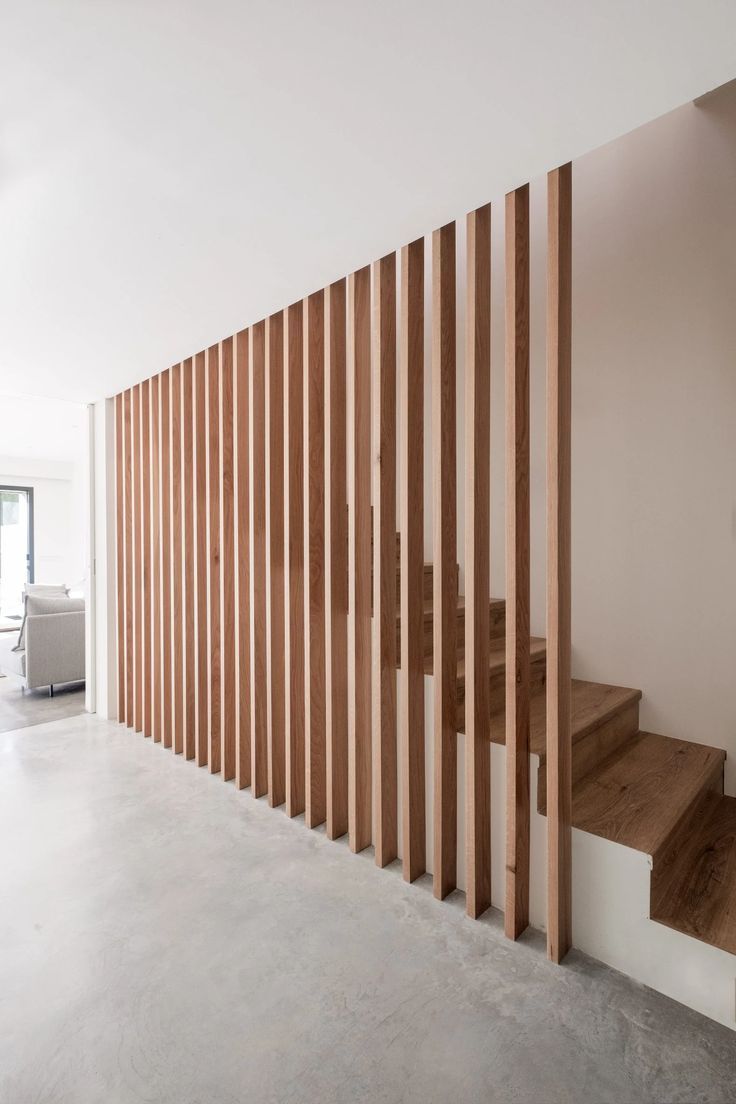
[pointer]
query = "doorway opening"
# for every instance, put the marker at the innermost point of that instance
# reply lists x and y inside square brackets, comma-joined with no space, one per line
[16,549]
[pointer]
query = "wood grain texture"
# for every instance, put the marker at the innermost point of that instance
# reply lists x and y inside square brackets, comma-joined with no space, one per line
[200,558]
[229,720]
[259,651]
[214,641]
[120,552]
[385,788]
[189,596]
[314,574]
[559,594]
[477,563]
[275,608]
[445,558]
[157,672]
[359,561]
[336,562]
[135,448]
[128,484]
[516,915]
[166,562]
[177,572]
[242,554]
[146,550]
[411,435]
[294,693]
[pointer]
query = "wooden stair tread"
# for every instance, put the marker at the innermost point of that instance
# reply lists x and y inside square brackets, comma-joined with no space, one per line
[638,795]
[697,894]
[497,656]
[593,703]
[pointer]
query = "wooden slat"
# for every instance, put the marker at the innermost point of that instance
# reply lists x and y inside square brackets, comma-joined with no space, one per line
[275,609]
[359,561]
[294,563]
[128,491]
[314,573]
[559,412]
[445,558]
[177,577]
[146,553]
[189,623]
[213,555]
[242,556]
[516,917]
[336,563]
[477,563]
[120,550]
[166,561]
[384,563]
[156,676]
[227,538]
[411,391]
[259,661]
[135,448]
[200,530]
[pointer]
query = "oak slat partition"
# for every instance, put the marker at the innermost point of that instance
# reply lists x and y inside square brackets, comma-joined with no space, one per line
[516,917]
[227,590]
[177,576]
[200,473]
[314,578]
[444,559]
[166,561]
[275,610]
[294,698]
[262,591]
[336,562]
[559,596]
[242,556]
[359,561]
[189,621]
[411,387]
[477,562]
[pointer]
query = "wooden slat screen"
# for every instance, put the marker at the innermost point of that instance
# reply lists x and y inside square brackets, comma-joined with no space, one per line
[200,508]
[166,561]
[275,620]
[227,544]
[259,677]
[294,557]
[135,450]
[242,556]
[156,674]
[146,552]
[177,577]
[190,608]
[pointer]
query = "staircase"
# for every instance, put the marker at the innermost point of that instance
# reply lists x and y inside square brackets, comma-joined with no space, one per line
[655,794]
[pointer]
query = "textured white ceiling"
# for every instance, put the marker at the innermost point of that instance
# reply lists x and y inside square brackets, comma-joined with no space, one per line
[171,170]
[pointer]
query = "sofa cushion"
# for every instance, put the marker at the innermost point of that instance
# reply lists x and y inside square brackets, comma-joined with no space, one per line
[47,590]
[36,605]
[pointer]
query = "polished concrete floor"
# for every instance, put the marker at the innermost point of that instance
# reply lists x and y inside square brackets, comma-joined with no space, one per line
[169,940]
[20,709]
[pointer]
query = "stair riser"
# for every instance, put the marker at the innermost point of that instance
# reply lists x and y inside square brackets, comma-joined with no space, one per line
[538,675]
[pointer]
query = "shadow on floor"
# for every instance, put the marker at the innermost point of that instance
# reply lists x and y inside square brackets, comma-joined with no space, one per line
[21,710]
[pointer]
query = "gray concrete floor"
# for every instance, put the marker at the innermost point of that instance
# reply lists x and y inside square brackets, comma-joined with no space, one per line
[167,939]
[19,709]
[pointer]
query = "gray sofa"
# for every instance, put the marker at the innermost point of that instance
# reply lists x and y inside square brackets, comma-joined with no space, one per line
[49,648]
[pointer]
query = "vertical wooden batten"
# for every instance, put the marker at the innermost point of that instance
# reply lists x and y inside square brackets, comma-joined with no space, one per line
[135,448]
[200,529]
[146,551]
[384,563]
[275,608]
[516,917]
[189,620]
[477,563]
[242,556]
[314,548]
[294,557]
[559,590]
[120,550]
[411,390]
[227,543]
[128,518]
[359,560]
[213,555]
[336,563]
[166,561]
[444,620]
[156,674]
[177,577]
[259,675]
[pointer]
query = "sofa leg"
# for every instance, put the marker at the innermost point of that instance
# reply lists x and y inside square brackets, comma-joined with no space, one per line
[51,691]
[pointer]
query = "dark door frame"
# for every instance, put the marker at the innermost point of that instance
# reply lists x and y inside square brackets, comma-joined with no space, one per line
[31,550]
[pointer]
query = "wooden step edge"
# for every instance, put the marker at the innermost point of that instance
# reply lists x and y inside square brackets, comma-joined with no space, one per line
[498,661]
[606,714]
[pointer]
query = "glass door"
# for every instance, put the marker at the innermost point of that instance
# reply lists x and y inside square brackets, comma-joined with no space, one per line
[16,548]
